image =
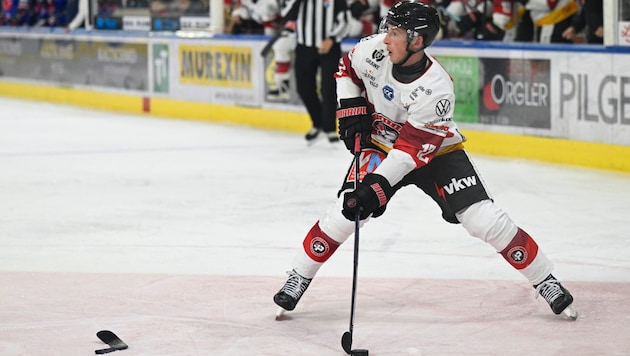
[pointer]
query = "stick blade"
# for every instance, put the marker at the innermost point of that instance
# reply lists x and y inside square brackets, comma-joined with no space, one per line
[105,351]
[111,339]
[346,342]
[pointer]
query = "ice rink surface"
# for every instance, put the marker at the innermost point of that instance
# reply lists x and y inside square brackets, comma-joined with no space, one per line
[176,234]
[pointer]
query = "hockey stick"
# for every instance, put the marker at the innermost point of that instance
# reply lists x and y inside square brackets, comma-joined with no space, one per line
[289,16]
[346,338]
[265,51]
[114,342]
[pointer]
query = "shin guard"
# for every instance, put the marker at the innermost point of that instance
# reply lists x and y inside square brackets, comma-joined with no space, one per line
[521,251]
[319,246]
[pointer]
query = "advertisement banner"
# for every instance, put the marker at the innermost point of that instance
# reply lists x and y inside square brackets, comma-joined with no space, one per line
[226,72]
[593,97]
[57,59]
[465,74]
[195,22]
[515,92]
[108,22]
[115,64]
[19,58]
[69,61]
[160,67]
[136,23]
[221,66]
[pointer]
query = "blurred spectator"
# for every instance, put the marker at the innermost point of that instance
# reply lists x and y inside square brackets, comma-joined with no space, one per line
[159,8]
[471,19]
[191,8]
[18,12]
[131,4]
[590,19]
[242,21]
[50,13]
[107,8]
[545,21]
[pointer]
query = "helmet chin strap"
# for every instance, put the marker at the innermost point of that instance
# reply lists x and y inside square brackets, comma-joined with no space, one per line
[409,54]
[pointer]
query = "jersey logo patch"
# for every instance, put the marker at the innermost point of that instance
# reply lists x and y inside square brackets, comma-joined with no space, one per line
[442,107]
[388,92]
[378,55]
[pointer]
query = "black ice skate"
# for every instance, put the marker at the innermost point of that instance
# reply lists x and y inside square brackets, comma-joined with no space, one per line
[281,93]
[558,297]
[312,135]
[290,294]
[332,137]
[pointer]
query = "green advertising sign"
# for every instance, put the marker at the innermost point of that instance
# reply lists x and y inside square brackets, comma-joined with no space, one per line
[160,68]
[465,74]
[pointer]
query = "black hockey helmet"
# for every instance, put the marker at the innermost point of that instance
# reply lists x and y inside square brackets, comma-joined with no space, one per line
[414,17]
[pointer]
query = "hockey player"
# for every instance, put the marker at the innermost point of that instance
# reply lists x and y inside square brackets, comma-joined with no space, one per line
[400,101]
[267,13]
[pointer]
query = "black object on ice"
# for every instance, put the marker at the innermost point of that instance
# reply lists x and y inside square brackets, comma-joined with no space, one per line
[114,342]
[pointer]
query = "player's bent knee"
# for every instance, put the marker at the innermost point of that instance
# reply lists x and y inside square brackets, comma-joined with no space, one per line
[335,225]
[489,223]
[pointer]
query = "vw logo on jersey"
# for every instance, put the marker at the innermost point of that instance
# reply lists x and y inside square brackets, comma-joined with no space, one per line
[388,92]
[442,107]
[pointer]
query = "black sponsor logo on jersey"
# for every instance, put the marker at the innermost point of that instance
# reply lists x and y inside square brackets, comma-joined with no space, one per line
[416,92]
[456,185]
[443,107]
[378,55]
[388,92]
[371,78]
[372,63]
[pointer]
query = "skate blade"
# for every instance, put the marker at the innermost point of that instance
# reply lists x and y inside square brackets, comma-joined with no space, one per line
[310,143]
[280,313]
[571,312]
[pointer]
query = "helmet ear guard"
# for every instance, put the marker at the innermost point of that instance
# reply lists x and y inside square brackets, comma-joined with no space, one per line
[416,18]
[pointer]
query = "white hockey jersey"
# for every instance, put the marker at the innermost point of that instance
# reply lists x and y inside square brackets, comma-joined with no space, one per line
[413,121]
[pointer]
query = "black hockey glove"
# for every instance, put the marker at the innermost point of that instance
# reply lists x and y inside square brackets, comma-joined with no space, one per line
[354,118]
[370,197]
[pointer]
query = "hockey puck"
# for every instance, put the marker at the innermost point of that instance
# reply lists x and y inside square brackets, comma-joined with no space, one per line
[359,352]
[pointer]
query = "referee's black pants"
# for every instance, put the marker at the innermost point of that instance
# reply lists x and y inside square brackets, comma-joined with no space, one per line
[307,61]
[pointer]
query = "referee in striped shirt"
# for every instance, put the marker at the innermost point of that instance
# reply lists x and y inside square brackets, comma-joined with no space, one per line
[320,27]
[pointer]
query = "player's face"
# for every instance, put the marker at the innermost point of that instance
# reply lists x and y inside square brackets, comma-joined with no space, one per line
[396,41]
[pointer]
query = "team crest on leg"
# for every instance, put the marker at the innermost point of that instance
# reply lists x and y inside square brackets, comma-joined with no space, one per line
[521,251]
[319,246]
[518,254]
